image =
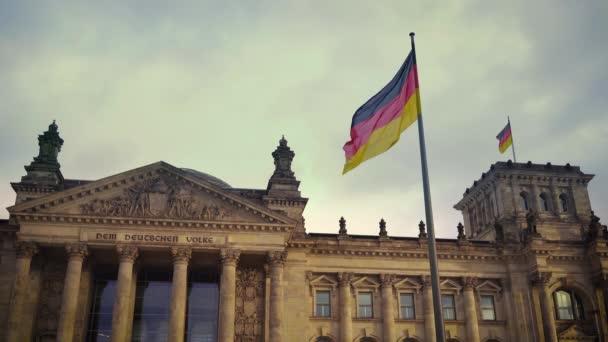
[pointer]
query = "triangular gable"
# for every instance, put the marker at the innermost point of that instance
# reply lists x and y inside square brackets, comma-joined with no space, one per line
[450,285]
[408,283]
[575,333]
[488,286]
[322,282]
[155,191]
[366,282]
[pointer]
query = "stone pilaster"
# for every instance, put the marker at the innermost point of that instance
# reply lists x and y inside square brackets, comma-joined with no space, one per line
[71,286]
[276,260]
[179,292]
[388,303]
[16,318]
[429,315]
[346,322]
[229,259]
[120,312]
[541,281]
[470,309]
[600,281]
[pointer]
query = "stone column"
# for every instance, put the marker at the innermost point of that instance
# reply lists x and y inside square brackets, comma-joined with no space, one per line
[429,314]
[470,309]
[69,299]
[179,292]
[541,281]
[600,281]
[120,312]
[388,303]
[276,260]
[346,321]
[25,252]
[229,259]
[555,199]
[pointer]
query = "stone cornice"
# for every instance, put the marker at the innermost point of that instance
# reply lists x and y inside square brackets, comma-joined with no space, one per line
[150,222]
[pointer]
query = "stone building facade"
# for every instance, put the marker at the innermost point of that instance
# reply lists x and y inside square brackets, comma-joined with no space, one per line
[161,253]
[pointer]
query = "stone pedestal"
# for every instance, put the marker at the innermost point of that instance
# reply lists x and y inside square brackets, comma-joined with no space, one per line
[71,286]
[16,319]
[470,309]
[388,303]
[346,320]
[179,292]
[276,260]
[229,259]
[541,281]
[121,317]
[429,315]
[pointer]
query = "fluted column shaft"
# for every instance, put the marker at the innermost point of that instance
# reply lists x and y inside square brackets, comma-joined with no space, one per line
[388,303]
[276,261]
[470,309]
[429,315]
[71,286]
[179,292]
[541,281]
[25,253]
[346,321]
[120,312]
[229,259]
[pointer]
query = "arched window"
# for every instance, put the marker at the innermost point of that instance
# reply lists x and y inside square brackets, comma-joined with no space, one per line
[523,201]
[544,202]
[324,339]
[563,201]
[568,305]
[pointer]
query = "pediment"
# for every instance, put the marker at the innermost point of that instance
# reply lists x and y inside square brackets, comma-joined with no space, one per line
[157,191]
[488,286]
[408,283]
[366,282]
[450,285]
[575,333]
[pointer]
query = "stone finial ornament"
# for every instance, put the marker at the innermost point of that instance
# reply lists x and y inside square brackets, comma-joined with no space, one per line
[383,233]
[283,156]
[45,168]
[461,234]
[422,228]
[596,229]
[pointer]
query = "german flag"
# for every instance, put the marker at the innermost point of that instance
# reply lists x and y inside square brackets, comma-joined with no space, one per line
[378,124]
[505,139]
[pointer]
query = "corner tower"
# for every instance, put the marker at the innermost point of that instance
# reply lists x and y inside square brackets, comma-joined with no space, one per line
[550,200]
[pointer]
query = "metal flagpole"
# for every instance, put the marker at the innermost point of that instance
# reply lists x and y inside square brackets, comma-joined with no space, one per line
[512,140]
[439,331]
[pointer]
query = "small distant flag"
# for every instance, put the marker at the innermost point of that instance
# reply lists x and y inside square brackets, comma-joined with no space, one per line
[505,138]
[377,125]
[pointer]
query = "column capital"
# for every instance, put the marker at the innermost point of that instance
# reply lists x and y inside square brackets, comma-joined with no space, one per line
[26,249]
[276,258]
[345,279]
[181,254]
[230,256]
[540,279]
[469,283]
[127,252]
[77,251]
[426,281]
[387,279]
[505,283]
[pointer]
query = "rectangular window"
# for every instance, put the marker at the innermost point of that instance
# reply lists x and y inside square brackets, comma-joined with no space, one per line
[449,307]
[488,312]
[406,302]
[323,307]
[365,305]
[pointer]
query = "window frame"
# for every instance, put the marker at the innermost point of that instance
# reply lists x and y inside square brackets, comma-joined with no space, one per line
[524,201]
[401,306]
[443,308]
[482,308]
[316,303]
[371,304]
[576,306]
[545,204]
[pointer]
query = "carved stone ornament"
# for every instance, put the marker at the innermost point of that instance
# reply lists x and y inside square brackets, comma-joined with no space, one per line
[181,254]
[342,231]
[250,300]
[25,249]
[345,279]
[387,279]
[49,306]
[422,229]
[469,282]
[383,233]
[461,234]
[230,256]
[161,197]
[277,258]
[541,278]
[127,253]
[77,250]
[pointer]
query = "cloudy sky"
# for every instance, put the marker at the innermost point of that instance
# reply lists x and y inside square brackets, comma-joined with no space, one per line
[213,86]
